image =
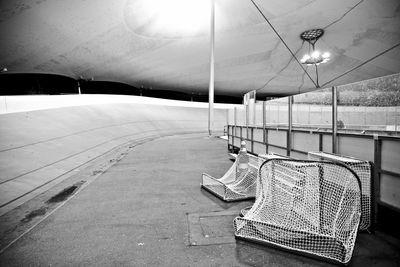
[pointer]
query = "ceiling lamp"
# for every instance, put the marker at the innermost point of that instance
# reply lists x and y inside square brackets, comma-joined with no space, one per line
[315,57]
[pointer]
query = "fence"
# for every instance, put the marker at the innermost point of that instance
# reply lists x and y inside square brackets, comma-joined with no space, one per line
[343,120]
[383,151]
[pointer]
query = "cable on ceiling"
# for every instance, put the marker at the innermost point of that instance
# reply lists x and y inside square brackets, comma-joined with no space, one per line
[287,65]
[358,66]
[293,55]
[339,19]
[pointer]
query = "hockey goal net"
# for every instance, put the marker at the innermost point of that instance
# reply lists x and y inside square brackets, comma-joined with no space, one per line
[234,185]
[310,207]
[363,169]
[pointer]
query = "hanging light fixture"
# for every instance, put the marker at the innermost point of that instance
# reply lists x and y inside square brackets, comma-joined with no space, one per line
[315,57]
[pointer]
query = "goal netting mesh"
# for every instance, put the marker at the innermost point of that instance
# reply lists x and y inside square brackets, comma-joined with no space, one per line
[235,184]
[363,169]
[265,157]
[310,207]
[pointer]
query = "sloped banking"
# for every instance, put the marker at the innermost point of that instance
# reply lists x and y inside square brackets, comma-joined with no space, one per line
[38,147]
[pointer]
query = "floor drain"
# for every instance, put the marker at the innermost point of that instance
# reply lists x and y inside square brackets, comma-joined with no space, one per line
[211,228]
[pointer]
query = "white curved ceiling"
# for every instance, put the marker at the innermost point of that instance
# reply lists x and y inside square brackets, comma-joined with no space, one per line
[126,41]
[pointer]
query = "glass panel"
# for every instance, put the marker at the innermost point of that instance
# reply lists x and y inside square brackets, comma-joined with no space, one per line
[241,115]
[371,105]
[259,114]
[313,109]
[231,116]
[277,112]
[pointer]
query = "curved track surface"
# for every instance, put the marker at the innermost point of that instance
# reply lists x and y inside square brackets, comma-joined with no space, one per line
[40,148]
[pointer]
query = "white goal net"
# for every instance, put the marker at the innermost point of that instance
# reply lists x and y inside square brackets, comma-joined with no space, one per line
[363,169]
[235,184]
[310,207]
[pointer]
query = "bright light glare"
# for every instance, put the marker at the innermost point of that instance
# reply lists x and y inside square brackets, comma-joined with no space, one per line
[316,58]
[326,55]
[172,17]
[315,54]
[305,58]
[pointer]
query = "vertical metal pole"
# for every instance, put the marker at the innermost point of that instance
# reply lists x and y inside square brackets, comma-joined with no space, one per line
[235,115]
[376,181]
[264,120]
[246,108]
[227,116]
[211,84]
[264,107]
[234,128]
[5,103]
[227,119]
[252,138]
[290,122]
[334,119]
[396,113]
[321,142]
[254,112]
[79,88]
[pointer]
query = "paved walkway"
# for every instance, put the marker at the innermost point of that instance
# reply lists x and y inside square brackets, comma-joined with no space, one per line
[148,210]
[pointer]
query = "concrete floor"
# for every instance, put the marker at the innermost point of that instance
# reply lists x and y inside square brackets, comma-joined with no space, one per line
[147,209]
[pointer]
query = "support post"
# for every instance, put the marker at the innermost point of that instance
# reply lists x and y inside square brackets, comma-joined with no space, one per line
[321,142]
[235,116]
[252,138]
[396,113]
[5,103]
[290,122]
[334,119]
[211,84]
[264,112]
[235,125]
[254,111]
[227,116]
[79,88]
[246,104]
[264,107]
[227,119]
[376,180]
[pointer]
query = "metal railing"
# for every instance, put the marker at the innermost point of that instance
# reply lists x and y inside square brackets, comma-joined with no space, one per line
[382,151]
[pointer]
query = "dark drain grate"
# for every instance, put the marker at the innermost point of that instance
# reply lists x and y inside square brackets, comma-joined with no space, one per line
[211,228]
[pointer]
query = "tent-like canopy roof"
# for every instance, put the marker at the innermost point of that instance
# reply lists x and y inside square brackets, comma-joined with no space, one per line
[165,44]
